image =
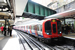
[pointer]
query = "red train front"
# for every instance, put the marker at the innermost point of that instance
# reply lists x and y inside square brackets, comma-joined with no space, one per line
[52,29]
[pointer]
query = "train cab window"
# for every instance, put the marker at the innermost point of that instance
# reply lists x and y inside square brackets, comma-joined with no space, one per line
[48,27]
[59,27]
[54,28]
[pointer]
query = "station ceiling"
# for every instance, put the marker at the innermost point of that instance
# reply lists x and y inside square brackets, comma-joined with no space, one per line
[10,8]
[6,11]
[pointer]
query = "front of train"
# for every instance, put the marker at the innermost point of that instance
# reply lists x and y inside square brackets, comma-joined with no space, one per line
[52,30]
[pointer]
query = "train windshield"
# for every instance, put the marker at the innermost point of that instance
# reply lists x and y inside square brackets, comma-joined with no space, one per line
[48,27]
[59,27]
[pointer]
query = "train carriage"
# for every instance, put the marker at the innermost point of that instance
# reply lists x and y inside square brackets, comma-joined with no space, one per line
[45,30]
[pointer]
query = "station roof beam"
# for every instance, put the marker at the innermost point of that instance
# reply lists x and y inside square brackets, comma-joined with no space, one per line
[66,14]
[35,10]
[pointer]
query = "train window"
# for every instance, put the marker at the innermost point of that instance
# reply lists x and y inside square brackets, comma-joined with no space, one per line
[32,27]
[41,27]
[59,27]
[38,27]
[35,27]
[48,27]
[28,27]
[54,28]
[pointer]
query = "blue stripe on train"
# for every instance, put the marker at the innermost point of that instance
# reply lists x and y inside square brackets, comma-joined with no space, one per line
[33,33]
[25,31]
[40,35]
[28,31]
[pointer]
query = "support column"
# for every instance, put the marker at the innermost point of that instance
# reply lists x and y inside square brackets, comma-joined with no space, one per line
[5,27]
[74,25]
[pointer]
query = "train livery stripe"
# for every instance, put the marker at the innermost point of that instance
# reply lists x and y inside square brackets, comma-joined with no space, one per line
[40,35]
[28,31]
[33,33]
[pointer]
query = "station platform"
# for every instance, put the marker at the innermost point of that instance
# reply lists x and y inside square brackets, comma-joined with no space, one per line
[9,43]
[69,36]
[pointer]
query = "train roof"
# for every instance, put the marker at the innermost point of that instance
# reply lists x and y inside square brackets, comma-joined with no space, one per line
[34,22]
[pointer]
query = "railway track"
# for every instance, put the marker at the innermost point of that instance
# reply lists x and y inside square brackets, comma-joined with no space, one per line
[30,43]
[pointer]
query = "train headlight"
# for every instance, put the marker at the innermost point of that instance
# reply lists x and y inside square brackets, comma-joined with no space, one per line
[47,33]
[60,31]
[53,20]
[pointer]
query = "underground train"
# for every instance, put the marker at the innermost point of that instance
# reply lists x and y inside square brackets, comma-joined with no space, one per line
[44,30]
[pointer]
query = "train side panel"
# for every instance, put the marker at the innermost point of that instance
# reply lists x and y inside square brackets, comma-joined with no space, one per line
[33,31]
[40,30]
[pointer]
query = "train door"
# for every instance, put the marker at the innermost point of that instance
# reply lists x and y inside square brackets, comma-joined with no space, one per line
[40,31]
[30,28]
[33,31]
[24,28]
[36,30]
[54,28]
[21,28]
